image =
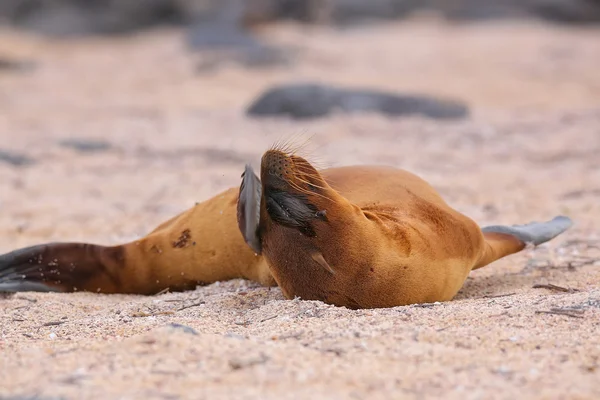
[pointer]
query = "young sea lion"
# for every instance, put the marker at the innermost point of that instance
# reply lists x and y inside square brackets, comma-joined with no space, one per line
[383,237]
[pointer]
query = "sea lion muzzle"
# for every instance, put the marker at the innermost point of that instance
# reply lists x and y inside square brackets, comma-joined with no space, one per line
[290,210]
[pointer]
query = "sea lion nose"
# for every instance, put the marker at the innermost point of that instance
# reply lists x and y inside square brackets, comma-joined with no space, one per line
[276,163]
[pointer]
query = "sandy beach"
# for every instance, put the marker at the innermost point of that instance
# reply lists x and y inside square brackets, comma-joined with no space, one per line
[166,133]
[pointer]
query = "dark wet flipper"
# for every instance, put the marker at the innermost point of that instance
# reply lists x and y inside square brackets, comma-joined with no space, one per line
[24,286]
[62,267]
[504,240]
[534,233]
[248,208]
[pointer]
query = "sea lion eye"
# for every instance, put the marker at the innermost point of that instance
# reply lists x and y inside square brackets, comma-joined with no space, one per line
[321,214]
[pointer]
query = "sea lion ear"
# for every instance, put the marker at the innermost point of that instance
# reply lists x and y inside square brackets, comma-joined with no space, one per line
[248,208]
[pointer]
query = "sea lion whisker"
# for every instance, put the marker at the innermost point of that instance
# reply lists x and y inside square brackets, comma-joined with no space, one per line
[302,150]
[311,193]
[285,146]
[318,163]
[308,172]
[281,144]
[309,183]
[290,145]
[298,187]
[307,192]
[318,257]
[296,142]
[305,176]
[312,172]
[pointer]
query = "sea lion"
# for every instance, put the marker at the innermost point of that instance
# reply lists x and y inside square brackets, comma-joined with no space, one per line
[356,236]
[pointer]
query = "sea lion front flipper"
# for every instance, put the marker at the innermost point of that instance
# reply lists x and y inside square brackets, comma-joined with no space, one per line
[504,240]
[24,286]
[248,208]
[62,267]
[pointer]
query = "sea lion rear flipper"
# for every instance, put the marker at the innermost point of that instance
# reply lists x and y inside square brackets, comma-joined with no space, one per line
[62,267]
[504,240]
[248,208]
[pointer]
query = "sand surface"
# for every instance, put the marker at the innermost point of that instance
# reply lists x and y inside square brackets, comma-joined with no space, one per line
[529,151]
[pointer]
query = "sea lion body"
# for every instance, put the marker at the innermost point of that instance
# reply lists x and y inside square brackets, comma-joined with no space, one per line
[359,236]
[393,242]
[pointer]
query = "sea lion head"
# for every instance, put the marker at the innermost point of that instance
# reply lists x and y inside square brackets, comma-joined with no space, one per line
[294,195]
[300,224]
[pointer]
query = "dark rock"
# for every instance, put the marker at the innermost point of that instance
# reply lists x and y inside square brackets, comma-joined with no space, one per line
[15,159]
[12,65]
[225,34]
[305,11]
[78,17]
[223,42]
[219,35]
[210,24]
[568,11]
[218,27]
[86,145]
[303,101]
[353,12]
[468,10]
[356,11]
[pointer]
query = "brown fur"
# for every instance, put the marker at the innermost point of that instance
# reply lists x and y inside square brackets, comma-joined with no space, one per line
[391,239]
[382,238]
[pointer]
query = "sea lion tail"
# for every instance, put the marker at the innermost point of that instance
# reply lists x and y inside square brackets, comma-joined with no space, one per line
[504,240]
[62,267]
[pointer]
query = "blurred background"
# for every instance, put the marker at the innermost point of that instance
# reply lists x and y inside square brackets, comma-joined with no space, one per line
[116,114]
